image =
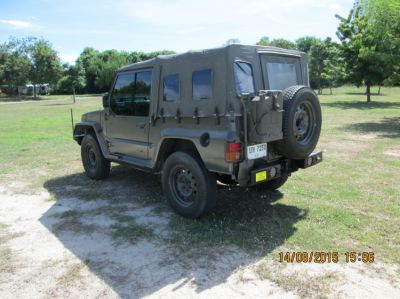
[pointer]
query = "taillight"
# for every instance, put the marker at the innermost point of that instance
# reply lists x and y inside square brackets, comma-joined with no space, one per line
[233,151]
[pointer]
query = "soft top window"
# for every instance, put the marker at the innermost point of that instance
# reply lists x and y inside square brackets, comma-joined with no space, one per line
[244,80]
[171,88]
[281,75]
[202,84]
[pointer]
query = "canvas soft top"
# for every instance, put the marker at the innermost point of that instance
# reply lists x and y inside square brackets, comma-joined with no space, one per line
[220,60]
[195,53]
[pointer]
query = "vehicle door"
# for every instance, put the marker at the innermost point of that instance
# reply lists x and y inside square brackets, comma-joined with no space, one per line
[127,119]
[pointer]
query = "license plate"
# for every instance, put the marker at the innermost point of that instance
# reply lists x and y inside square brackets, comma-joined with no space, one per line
[256,151]
[261,176]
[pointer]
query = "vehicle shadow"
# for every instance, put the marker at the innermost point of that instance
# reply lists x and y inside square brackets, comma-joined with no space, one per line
[124,231]
[389,127]
[361,105]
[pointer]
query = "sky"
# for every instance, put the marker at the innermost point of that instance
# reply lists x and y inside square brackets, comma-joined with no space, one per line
[178,25]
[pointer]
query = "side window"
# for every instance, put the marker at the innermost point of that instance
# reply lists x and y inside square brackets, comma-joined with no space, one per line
[142,93]
[121,102]
[171,88]
[202,84]
[244,80]
[131,94]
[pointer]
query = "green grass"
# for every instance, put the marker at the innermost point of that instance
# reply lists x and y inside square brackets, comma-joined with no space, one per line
[350,202]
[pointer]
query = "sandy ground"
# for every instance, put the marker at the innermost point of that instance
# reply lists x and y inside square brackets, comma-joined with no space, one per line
[61,248]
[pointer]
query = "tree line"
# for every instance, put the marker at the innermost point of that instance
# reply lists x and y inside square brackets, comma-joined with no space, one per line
[368,53]
[32,60]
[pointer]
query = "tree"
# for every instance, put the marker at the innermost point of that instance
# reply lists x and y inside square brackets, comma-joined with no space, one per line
[283,43]
[384,17]
[72,80]
[89,62]
[46,66]
[305,43]
[111,60]
[100,67]
[325,66]
[278,42]
[369,52]
[318,54]
[14,63]
[264,41]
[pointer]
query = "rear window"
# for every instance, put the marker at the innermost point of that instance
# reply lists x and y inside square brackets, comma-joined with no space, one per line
[281,75]
[244,80]
[202,84]
[171,88]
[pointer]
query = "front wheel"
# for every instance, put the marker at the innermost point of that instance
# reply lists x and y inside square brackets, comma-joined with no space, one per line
[190,189]
[96,166]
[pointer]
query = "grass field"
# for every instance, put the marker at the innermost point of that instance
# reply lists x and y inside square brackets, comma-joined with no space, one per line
[350,202]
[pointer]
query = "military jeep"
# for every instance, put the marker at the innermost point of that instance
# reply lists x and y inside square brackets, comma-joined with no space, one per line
[240,115]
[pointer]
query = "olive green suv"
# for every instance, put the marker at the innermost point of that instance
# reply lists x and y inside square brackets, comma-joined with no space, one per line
[241,115]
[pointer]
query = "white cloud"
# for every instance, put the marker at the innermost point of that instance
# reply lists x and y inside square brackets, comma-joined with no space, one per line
[20,24]
[70,58]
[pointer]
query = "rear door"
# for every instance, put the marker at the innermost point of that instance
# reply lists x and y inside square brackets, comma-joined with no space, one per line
[127,121]
[280,72]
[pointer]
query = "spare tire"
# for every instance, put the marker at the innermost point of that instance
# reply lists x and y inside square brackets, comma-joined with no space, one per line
[301,122]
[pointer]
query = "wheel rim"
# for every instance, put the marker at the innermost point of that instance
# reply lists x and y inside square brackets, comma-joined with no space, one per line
[183,185]
[304,122]
[90,156]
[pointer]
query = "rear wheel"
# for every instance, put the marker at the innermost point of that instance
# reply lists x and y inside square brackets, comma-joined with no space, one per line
[96,166]
[190,189]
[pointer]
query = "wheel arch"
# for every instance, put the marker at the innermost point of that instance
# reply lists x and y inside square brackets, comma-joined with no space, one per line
[171,145]
[84,128]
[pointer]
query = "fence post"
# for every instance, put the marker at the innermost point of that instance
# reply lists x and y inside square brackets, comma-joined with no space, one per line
[73,92]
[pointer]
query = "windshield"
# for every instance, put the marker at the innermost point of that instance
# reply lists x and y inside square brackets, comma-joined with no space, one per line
[243,77]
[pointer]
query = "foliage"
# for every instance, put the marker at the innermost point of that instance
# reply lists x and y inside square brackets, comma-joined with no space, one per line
[326,69]
[28,60]
[384,17]
[305,43]
[72,80]
[279,42]
[369,44]
[100,67]
[45,63]
[15,63]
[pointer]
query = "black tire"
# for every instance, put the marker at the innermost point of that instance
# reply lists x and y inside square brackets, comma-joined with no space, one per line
[273,184]
[301,122]
[190,189]
[96,166]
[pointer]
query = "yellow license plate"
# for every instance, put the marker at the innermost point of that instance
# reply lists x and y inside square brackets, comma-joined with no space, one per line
[261,176]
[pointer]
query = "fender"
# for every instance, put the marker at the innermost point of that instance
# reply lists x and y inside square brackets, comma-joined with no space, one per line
[207,142]
[81,128]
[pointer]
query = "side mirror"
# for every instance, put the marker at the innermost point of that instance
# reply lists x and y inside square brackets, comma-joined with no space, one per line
[106,102]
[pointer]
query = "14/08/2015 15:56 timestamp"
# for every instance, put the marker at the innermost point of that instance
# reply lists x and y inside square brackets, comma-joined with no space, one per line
[320,257]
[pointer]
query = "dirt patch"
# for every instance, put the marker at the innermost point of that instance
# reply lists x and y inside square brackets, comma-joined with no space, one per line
[344,150]
[118,248]
[392,153]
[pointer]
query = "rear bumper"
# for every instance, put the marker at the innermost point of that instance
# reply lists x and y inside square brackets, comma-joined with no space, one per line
[250,175]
